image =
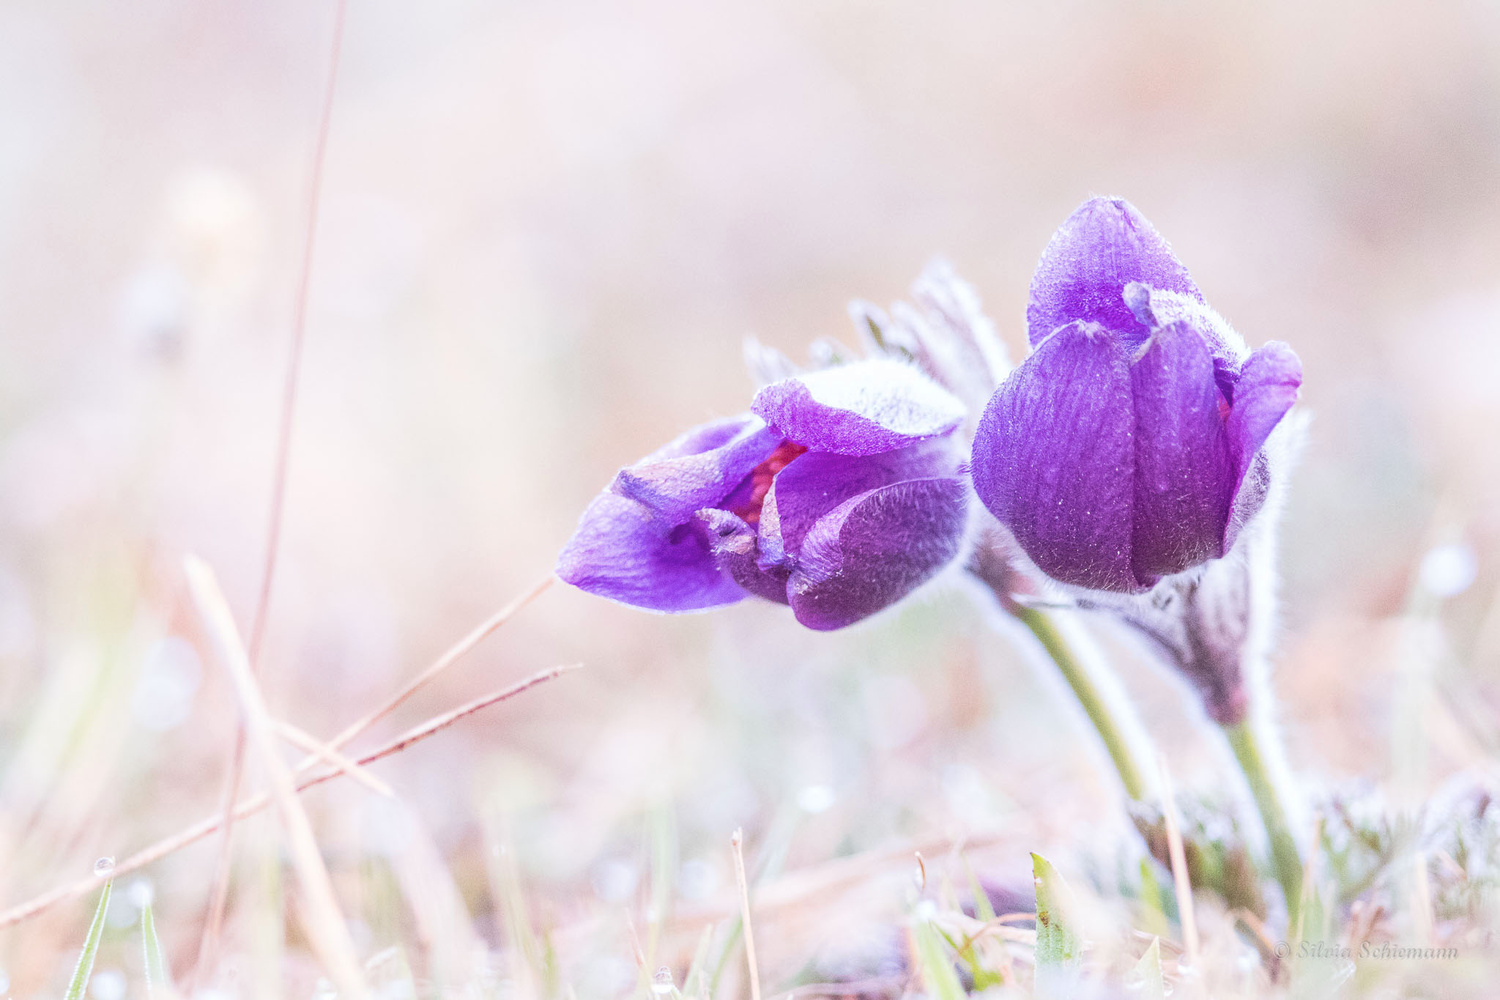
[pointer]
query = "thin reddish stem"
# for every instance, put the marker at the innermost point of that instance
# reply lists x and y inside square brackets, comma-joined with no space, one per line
[219,895]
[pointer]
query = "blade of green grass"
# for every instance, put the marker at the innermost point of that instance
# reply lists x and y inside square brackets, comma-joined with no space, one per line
[662,834]
[158,974]
[968,954]
[85,966]
[1148,973]
[695,983]
[1153,908]
[934,965]
[1059,956]
[982,908]
[731,942]
[1312,922]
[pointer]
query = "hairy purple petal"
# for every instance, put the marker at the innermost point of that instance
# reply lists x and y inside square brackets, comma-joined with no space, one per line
[733,543]
[875,548]
[1154,307]
[622,550]
[1054,458]
[1103,246]
[862,408]
[1184,473]
[699,468]
[1268,387]
[818,482]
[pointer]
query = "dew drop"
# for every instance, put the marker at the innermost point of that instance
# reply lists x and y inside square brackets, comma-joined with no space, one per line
[1448,570]
[815,799]
[140,893]
[661,983]
[104,867]
[107,984]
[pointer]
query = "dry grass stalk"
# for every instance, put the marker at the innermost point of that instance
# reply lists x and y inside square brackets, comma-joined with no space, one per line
[311,744]
[257,802]
[450,657]
[323,920]
[830,878]
[219,897]
[1265,944]
[736,843]
[1180,881]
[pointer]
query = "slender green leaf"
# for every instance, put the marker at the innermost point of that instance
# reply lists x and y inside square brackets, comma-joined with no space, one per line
[85,966]
[158,973]
[1059,955]
[935,966]
[982,908]
[968,954]
[1312,917]
[696,980]
[1148,973]
[663,837]
[1315,972]
[1153,908]
[731,942]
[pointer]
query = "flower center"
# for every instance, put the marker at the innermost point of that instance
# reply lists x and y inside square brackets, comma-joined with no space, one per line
[760,479]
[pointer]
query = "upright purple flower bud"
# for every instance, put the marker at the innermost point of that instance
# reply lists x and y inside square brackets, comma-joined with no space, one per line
[1123,449]
[838,494]
[1126,453]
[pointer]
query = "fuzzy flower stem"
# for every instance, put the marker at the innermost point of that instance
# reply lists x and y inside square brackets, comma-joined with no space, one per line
[1268,799]
[1077,673]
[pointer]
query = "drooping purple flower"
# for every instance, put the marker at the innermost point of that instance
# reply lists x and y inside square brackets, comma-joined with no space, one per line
[838,494]
[1128,446]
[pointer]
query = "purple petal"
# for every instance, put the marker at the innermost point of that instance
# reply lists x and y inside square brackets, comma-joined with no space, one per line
[875,548]
[862,408]
[698,469]
[1102,247]
[1267,388]
[623,551]
[733,543]
[1184,473]
[817,482]
[1154,307]
[1054,458]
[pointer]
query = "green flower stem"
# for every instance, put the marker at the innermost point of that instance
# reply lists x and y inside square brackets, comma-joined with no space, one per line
[1284,855]
[1076,672]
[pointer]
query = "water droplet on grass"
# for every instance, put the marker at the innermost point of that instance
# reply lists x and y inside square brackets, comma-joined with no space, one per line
[104,867]
[141,893]
[107,984]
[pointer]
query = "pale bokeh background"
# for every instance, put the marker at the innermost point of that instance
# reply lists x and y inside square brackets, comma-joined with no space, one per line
[545,231]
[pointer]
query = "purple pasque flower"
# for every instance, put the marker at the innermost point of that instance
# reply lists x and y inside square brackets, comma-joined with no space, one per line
[1128,446]
[838,494]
